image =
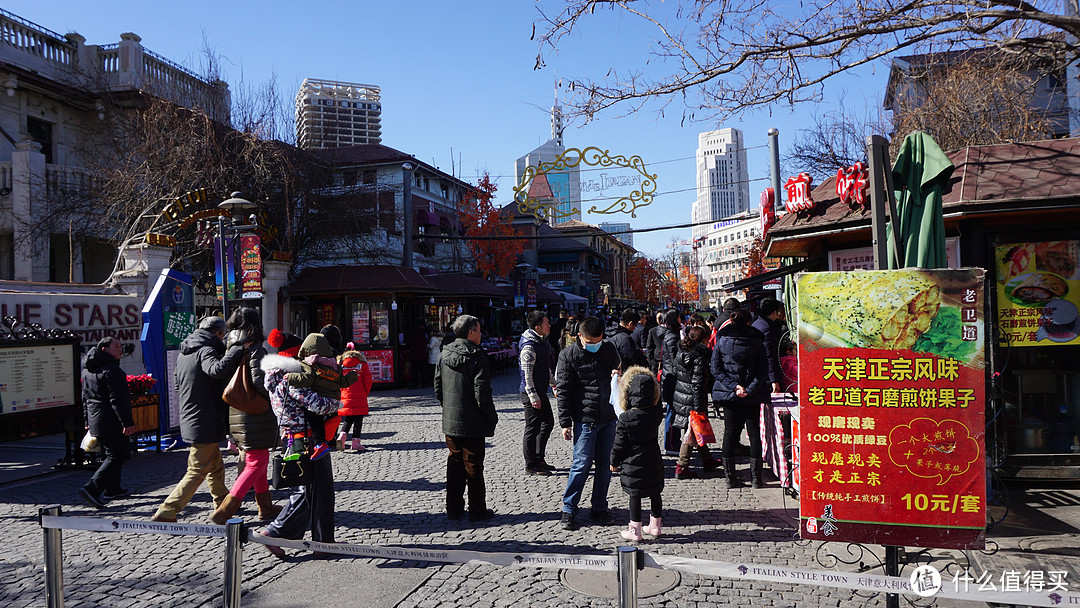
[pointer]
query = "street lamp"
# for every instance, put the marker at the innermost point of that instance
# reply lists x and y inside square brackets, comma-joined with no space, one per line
[232,204]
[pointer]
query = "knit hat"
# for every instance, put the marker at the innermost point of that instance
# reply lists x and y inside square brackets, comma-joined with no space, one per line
[288,345]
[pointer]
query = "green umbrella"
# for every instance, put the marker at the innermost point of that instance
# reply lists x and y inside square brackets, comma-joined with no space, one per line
[920,173]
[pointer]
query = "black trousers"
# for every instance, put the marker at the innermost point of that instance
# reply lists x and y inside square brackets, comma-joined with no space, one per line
[735,418]
[309,507]
[354,423]
[635,507]
[538,426]
[106,478]
[465,469]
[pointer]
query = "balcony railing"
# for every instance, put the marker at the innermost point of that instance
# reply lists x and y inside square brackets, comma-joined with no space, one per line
[31,38]
[61,180]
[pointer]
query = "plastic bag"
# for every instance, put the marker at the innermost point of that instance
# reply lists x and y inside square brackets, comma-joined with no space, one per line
[614,399]
[702,428]
[89,443]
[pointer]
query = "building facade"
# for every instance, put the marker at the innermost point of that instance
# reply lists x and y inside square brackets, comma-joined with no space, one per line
[59,95]
[560,190]
[623,230]
[331,114]
[726,250]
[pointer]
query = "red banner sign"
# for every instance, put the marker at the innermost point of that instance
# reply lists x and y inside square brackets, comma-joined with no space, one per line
[892,408]
[250,267]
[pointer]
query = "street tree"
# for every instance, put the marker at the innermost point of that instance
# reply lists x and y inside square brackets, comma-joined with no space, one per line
[722,57]
[494,257]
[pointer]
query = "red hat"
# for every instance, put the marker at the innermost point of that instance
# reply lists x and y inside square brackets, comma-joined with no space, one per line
[288,345]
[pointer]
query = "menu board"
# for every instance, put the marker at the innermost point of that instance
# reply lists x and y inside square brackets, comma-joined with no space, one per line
[381,364]
[1038,293]
[361,324]
[892,410]
[382,326]
[36,377]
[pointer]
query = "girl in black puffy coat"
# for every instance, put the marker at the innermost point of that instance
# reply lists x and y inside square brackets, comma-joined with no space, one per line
[692,390]
[636,453]
[741,367]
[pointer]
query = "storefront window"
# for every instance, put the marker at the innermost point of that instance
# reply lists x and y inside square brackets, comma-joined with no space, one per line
[370,323]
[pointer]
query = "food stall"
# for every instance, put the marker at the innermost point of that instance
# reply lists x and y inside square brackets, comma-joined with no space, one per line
[372,305]
[1014,210]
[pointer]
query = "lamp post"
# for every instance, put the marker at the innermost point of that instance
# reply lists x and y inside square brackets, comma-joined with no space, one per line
[232,204]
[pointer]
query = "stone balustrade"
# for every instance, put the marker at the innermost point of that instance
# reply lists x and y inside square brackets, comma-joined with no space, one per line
[35,40]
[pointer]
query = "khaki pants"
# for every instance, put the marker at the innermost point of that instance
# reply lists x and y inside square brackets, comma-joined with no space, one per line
[204,462]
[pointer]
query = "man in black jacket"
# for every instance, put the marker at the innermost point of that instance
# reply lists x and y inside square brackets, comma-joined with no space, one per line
[463,387]
[653,343]
[583,390]
[202,371]
[107,410]
[623,340]
[771,322]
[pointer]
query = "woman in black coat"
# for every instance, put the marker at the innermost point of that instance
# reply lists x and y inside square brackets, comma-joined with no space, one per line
[741,368]
[254,434]
[692,390]
[635,453]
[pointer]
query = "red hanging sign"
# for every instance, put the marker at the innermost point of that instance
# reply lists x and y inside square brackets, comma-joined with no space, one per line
[798,193]
[768,210]
[851,184]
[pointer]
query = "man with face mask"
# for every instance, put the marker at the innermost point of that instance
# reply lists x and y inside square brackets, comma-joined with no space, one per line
[583,390]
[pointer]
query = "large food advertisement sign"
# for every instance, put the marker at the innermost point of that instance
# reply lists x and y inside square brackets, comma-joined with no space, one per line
[891,391]
[1038,292]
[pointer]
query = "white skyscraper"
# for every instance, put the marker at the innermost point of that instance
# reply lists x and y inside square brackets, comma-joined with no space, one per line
[723,180]
[559,189]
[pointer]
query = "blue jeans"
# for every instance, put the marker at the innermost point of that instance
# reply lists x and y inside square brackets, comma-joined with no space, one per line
[592,443]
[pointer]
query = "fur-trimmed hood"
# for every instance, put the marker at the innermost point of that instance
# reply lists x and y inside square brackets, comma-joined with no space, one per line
[271,363]
[638,388]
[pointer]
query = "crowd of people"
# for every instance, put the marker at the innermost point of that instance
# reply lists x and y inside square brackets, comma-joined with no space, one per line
[609,384]
[621,393]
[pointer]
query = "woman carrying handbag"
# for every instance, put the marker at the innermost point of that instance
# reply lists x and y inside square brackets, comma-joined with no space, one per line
[254,433]
[691,399]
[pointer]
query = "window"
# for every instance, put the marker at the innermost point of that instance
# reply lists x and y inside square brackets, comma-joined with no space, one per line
[41,132]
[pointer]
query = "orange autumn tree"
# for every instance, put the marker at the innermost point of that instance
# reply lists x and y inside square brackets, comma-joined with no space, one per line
[755,259]
[481,218]
[644,282]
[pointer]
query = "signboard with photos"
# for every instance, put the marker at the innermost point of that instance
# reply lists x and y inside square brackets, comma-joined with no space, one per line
[891,423]
[1038,292]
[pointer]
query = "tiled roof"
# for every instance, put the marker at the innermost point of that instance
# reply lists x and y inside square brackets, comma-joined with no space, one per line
[464,285]
[993,178]
[359,279]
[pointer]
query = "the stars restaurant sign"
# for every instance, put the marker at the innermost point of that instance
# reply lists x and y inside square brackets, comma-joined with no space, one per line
[615,183]
[892,407]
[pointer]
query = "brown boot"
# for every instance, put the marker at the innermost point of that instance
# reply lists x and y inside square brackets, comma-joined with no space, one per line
[228,508]
[268,511]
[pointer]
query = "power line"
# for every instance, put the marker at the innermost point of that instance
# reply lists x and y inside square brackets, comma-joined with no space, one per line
[520,237]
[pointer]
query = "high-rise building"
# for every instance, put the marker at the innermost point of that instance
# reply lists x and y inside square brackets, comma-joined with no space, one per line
[723,180]
[623,228]
[723,183]
[561,190]
[332,114]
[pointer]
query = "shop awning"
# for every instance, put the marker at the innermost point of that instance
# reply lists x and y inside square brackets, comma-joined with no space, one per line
[772,274]
[426,218]
[543,293]
[359,279]
[464,286]
[570,298]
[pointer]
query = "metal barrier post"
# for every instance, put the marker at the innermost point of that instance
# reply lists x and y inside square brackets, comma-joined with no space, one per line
[234,537]
[54,565]
[628,566]
[892,568]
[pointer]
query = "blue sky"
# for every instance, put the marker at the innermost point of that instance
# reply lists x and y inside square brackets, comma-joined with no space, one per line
[454,76]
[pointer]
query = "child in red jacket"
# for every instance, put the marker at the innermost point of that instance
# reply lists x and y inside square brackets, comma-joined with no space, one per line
[354,405]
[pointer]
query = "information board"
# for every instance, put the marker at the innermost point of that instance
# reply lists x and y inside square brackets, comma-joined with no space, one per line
[36,377]
[892,410]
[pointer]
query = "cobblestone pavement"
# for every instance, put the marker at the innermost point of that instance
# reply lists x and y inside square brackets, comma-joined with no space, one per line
[393,495]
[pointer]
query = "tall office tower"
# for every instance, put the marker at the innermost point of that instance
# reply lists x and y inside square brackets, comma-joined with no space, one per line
[333,114]
[723,180]
[623,228]
[561,190]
